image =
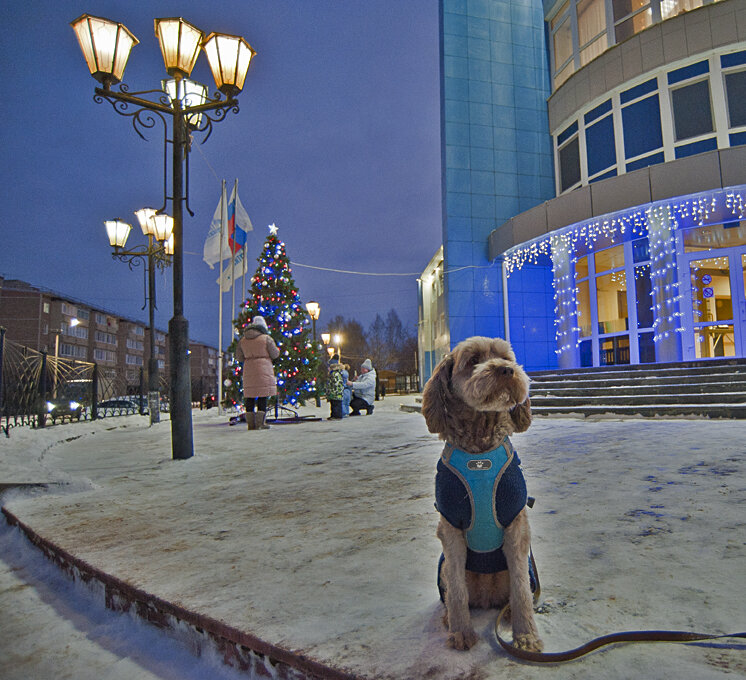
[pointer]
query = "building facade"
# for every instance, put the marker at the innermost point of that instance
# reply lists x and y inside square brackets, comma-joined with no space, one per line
[60,325]
[638,254]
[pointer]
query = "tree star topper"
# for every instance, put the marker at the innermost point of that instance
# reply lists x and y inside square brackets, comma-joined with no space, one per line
[273,229]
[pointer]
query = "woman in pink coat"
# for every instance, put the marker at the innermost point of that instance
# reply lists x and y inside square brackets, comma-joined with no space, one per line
[256,350]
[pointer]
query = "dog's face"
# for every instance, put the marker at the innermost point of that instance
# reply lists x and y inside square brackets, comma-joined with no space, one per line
[482,375]
[486,376]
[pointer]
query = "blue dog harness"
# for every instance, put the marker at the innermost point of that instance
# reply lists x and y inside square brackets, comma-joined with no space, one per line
[481,494]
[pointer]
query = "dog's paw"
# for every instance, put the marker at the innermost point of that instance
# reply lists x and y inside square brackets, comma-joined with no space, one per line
[528,642]
[462,640]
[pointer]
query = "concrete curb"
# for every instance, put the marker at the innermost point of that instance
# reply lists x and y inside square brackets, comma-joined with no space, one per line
[236,648]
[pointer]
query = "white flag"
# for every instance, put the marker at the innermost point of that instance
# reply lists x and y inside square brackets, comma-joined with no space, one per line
[239,268]
[211,251]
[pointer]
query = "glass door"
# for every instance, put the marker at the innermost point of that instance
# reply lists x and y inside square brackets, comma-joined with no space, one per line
[718,302]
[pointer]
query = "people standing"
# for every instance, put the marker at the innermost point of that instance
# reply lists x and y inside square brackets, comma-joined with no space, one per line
[363,389]
[257,350]
[335,385]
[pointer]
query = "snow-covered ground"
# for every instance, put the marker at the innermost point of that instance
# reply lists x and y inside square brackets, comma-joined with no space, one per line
[320,538]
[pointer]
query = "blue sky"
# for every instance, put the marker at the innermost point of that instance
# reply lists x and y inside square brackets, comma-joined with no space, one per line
[337,142]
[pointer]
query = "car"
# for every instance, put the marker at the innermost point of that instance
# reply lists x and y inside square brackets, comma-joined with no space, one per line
[119,404]
[59,409]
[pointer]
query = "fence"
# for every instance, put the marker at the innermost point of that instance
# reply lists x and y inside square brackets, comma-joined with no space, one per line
[37,389]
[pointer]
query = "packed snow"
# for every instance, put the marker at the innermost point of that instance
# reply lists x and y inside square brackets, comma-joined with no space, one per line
[320,537]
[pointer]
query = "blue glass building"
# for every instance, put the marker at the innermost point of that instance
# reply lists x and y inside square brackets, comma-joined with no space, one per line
[594,177]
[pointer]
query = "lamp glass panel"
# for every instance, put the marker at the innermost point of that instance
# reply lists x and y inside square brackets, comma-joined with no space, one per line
[105,44]
[143,217]
[162,226]
[229,57]
[118,232]
[169,245]
[180,44]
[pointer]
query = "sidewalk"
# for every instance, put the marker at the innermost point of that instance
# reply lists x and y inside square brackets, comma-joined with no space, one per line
[313,545]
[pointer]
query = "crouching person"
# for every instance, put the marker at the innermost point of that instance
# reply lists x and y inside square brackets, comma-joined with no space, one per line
[363,389]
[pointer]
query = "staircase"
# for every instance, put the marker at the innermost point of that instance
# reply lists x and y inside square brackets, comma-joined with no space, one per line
[714,388]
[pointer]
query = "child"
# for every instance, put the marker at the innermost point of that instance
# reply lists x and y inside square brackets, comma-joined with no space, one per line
[335,388]
[347,394]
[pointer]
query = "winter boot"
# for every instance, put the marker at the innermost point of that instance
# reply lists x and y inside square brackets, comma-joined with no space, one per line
[261,420]
[250,422]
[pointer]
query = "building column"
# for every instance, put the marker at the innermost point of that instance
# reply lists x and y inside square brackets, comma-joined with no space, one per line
[665,283]
[565,308]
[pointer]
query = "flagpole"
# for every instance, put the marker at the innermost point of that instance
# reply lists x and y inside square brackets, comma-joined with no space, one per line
[233,255]
[220,298]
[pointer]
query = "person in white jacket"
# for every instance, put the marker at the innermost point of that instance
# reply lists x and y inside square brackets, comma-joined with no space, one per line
[363,389]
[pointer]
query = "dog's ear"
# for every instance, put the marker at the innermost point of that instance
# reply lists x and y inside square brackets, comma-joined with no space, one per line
[436,395]
[521,416]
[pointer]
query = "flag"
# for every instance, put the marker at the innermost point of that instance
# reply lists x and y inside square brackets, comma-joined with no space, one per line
[238,222]
[211,251]
[239,268]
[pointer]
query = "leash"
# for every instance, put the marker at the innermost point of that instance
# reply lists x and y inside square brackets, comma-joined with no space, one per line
[611,639]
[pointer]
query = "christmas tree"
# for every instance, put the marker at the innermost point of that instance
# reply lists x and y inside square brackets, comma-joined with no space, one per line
[274,296]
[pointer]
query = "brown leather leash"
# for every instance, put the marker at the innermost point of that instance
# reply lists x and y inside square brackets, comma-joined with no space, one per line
[611,639]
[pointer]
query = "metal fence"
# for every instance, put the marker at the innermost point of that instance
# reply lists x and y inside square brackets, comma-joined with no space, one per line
[37,389]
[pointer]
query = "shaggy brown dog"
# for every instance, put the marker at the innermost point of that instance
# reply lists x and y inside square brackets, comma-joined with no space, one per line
[477,396]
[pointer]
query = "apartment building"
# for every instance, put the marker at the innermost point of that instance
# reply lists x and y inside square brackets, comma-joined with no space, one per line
[52,322]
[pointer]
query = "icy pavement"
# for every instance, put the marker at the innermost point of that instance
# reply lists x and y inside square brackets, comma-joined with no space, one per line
[319,538]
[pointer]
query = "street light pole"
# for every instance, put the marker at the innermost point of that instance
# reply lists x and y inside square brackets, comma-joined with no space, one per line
[314,311]
[158,229]
[106,46]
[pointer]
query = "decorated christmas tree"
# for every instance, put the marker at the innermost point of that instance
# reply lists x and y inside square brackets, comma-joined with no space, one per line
[274,296]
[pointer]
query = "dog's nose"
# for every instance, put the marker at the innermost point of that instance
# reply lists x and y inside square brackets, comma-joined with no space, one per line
[506,370]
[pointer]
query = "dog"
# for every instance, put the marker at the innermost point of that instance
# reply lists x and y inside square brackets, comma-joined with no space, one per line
[476,397]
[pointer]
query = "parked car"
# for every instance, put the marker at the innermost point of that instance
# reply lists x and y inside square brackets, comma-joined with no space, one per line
[118,404]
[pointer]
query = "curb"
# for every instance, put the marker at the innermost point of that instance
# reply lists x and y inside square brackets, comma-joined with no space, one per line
[236,648]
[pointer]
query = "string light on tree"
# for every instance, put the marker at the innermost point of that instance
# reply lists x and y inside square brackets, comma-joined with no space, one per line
[274,296]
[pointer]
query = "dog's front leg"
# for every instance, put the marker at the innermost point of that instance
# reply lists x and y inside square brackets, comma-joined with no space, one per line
[461,635]
[516,547]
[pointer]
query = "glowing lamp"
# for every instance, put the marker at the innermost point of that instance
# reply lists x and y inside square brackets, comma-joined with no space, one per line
[118,232]
[180,45]
[229,57]
[162,226]
[143,217]
[314,309]
[106,46]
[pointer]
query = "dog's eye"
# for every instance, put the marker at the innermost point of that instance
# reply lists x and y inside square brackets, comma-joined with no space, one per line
[473,361]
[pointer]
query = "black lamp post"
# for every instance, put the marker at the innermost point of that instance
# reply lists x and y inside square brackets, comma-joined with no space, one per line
[106,46]
[158,228]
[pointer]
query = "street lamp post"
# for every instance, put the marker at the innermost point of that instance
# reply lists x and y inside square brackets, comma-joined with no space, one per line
[106,46]
[314,311]
[158,228]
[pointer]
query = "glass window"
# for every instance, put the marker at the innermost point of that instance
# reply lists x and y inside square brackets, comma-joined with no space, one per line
[581,268]
[591,29]
[611,258]
[630,17]
[644,296]
[714,236]
[692,110]
[584,309]
[611,302]
[562,39]
[613,351]
[641,124]
[600,145]
[646,347]
[640,250]
[569,162]
[711,294]
[735,88]
[672,8]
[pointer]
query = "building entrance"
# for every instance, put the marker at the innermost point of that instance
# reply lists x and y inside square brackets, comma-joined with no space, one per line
[714,303]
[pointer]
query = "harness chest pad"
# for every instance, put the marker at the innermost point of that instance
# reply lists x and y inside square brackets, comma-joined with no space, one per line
[481,494]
